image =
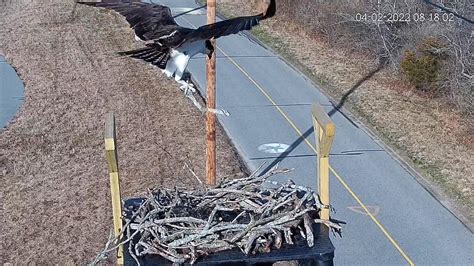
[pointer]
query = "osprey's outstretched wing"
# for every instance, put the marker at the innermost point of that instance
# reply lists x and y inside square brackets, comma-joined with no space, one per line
[232,26]
[224,28]
[149,21]
[155,22]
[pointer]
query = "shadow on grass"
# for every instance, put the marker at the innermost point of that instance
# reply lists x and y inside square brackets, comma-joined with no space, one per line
[382,63]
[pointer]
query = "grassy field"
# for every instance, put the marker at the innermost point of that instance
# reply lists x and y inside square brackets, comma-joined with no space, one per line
[54,193]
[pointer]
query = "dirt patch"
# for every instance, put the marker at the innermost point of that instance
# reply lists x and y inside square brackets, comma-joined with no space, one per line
[424,130]
[54,193]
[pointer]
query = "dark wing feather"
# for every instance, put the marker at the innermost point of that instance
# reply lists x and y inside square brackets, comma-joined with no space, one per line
[153,53]
[233,26]
[149,21]
[224,28]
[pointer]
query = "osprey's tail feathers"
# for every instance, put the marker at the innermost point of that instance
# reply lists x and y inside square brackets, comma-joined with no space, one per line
[149,54]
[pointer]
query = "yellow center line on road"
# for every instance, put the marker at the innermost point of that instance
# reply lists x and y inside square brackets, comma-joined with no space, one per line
[298,131]
[344,184]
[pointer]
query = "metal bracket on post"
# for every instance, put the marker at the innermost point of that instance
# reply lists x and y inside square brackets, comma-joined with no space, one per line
[111,152]
[324,130]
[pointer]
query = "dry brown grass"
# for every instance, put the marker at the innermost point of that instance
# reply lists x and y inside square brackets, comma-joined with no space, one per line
[53,174]
[426,131]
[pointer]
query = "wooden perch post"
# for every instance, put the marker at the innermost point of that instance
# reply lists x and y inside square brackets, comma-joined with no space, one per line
[211,102]
[324,130]
[111,152]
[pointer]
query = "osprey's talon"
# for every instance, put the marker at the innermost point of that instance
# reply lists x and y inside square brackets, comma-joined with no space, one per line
[188,89]
[191,88]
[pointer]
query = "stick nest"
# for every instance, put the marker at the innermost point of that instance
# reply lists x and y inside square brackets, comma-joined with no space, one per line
[247,214]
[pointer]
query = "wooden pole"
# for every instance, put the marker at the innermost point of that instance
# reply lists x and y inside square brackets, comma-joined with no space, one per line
[211,102]
[324,130]
[111,152]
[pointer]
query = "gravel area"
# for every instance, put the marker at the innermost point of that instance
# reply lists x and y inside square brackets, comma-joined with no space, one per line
[54,193]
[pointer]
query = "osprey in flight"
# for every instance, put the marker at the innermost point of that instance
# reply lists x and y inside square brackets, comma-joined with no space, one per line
[169,45]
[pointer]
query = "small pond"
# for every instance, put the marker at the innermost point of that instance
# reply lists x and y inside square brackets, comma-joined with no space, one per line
[11,92]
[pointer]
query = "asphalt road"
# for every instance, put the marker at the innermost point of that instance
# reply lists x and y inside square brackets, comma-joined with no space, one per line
[11,92]
[270,102]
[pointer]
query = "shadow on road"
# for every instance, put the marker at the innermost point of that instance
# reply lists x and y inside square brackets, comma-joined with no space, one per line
[298,141]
